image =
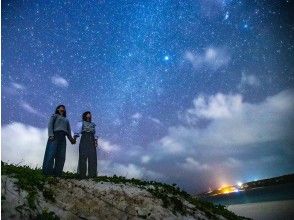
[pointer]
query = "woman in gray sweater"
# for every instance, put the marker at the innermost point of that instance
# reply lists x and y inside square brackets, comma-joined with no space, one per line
[58,129]
[87,147]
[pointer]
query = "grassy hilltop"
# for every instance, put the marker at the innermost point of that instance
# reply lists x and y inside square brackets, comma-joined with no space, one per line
[27,194]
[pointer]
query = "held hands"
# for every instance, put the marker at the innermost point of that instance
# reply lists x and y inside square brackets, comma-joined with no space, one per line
[72,140]
[96,143]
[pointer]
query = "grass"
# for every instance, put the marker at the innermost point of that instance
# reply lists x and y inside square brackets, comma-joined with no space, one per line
[32,180]
[45,215]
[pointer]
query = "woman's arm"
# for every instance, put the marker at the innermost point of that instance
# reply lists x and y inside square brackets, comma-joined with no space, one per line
[51,126]
[78,129]
[96,136]
[70,138]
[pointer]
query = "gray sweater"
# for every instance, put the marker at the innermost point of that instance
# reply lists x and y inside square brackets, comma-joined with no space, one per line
[61,124]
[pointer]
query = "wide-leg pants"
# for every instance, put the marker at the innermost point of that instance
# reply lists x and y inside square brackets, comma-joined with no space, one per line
[54,157]
[87,151]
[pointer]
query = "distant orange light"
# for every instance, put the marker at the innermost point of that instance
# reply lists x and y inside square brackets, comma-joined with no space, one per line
[223,186]
[227,189]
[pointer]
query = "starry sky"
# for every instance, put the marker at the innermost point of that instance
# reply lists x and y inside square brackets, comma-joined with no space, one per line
[196,92]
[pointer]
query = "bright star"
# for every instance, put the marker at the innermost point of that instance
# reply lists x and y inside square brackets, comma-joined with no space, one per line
[166,58]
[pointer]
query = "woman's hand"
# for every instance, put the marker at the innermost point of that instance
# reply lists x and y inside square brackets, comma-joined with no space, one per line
[71,139]
[96,143]
[51,137]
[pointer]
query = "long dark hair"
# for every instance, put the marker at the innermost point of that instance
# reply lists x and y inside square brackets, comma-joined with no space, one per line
[57,112]
[84,116]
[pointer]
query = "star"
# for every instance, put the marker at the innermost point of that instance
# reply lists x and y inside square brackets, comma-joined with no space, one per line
[166,57]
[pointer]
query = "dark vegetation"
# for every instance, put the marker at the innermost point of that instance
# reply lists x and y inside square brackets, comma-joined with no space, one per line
[32,180]
[270,182]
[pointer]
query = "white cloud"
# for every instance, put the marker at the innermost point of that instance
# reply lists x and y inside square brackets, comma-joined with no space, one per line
[137,115]
[23,143]
[216,106]
[233,122]
[27,107]
[191,164]
[213,58]
[145,159]
[108,168]
[129,170]
[155,120]
[107,146]
[14,89]
[170,143]
[248,80]
[59,81]
[18,86]
[26,144]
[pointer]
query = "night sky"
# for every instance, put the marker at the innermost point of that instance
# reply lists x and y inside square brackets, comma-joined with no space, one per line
[194,92]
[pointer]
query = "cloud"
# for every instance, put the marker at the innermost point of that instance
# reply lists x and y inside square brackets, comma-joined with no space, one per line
[59,81]
[27,107]
[26,145]
[191,164]
[216,106]
[155,120]
[233,122]
[223,138]
[248,80]
[137,116]
[145,159]
[129,170]
[18,86]
[22,142]
[107,146]
[213,58]
[14,89]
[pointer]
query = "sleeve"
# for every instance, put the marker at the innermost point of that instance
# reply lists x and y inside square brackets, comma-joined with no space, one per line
[68,128]
[50,126]
[96,136]
[78,129]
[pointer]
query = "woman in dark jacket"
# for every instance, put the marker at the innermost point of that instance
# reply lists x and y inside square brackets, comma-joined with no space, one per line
[87,147]
[58,129]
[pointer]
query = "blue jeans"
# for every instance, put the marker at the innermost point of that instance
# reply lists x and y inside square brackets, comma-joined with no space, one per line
[54,157]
